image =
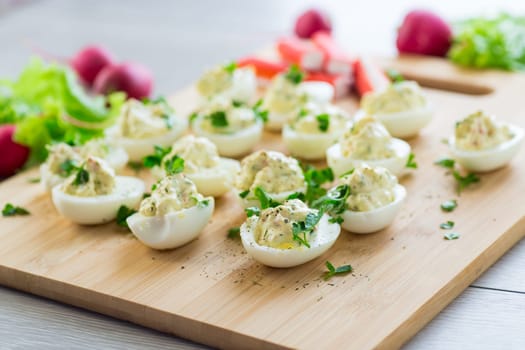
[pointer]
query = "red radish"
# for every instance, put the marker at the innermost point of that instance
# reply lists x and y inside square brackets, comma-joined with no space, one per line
[13,154]
[89,61]
[132,78]
[312,21]
[423,32]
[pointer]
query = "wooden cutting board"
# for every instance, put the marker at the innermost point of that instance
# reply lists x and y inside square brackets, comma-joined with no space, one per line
[211,292]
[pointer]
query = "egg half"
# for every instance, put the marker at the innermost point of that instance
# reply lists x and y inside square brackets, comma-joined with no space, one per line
[102,208]
[321,239]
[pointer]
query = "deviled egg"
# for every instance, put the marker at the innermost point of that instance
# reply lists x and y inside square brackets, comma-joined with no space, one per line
[233,127]
[115,156]
[314,129]
[375,199]
[141,126]
[272,237]
[287,94]
[481,143]
[367,141]
[213,175]
[401,107]
[277,175]
[173,215]
[93,194]
[61,162]
[237,84]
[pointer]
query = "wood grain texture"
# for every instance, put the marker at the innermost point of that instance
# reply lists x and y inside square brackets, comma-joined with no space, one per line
[211,292]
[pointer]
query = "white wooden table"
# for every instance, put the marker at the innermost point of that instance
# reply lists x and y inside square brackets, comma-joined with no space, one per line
[178,39]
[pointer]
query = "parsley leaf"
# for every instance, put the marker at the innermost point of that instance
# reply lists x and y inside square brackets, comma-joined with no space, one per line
[336,220]
[334,202]
[449,205]
[155,159]
[218,119]
[174,165]
[451,235]
[349,172]
[203,203]
[464,181]
[193,116]
[447,225]
[264,199]
[394,75]
[234,232]
[294,75]
[411,162]
[135,166]
[315,178]
[230,67]
[301,229]
[237,104]
[333,271]
[81,178]
[122,214]
[323,122]
[168,121]
[67,167]
[252,211]
[446,163]
[243,194]
[259,112]
[12,210]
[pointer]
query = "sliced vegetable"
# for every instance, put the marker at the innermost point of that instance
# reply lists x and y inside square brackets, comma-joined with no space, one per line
[263,68]
[368,77]
[336,60]
[300,52]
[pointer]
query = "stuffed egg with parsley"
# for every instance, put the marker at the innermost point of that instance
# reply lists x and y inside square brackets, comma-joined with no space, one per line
[288,235]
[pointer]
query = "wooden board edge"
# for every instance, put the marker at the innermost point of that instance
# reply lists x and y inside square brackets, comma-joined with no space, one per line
[448,293]
[118,308]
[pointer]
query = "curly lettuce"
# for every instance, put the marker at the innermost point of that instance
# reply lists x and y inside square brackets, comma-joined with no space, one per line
[497,42]
[48,105]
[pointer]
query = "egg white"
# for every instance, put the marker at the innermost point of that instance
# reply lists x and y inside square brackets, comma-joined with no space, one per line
[376,219]
[99,209]
[341,164]
[244,86]
[276,121]
[308,145]
[117,158]
[323,237]
[405,124]
[140,148]
[281,197]
[490,159]
[234,144]
[173,229]
[317,91]
[214,181]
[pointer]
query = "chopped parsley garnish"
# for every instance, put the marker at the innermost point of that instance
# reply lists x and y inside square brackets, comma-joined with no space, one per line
[146,195]
[259,112]
[193,116]
[231,67]
[218,119]
[203,203]
[315,178]
[323,122]
[449,205]
[301,229]
[12,210]
[303,113]
[296,195]
[333,271]
[451,235]
[67,168]
[237,104]
[334,202]
[168,121]
[252,211]
[447,225]
[394,75]
[155,159]
[336,220]
[33,180]
[411,161]
[294,74]
[446,163]
[174,165]
[136,166]
[243,194]
[464,181]
[154,187]
[81,178]
[264,199]
[234,232]
[349,172]
[122,214]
